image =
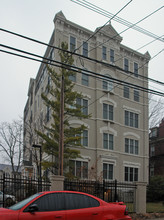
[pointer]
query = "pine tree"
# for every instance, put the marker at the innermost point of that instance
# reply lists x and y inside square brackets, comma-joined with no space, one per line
[72,109]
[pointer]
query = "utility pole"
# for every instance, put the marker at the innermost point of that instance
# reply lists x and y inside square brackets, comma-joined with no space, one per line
[61,137]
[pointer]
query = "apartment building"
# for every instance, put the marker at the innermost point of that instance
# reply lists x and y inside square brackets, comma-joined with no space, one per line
[156,150]
[115,143]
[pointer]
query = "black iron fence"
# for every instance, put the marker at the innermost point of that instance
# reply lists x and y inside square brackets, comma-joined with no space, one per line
[15,188]
[110,191]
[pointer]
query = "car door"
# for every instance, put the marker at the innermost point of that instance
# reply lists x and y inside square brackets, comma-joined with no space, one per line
[50,215]
[50,206]
[82,207]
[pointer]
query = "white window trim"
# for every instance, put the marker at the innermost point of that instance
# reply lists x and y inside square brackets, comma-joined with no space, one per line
[131,164]
[78,122]
[108,101]
[133,110]
[108,130]
[131,134]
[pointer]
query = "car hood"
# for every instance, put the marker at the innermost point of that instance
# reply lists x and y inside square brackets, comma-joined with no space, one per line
[4,210]
[7,214]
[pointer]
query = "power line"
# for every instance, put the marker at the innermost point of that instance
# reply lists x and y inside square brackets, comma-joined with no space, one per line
[148,43]
[128,29]
[153,58]
[95,76]
[104,25]
[79,55]
[77,69]
[105,91]
[105,13]
[139,49]
[132,25]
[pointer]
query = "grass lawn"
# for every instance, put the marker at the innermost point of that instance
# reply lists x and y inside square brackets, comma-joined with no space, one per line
[151,207]
[155,207]
[130,207]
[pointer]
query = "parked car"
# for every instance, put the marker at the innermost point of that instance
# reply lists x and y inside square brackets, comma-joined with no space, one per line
[8,199]
[64,205]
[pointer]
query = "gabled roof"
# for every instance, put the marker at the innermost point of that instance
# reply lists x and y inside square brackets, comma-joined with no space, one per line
[147,55]
[108,30]
[60,15]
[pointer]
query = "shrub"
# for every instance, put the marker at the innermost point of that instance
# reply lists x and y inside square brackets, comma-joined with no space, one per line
[155,190]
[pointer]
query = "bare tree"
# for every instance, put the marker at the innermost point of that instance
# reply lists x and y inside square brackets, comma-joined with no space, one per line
[11,143]
[156,111]
[31,138]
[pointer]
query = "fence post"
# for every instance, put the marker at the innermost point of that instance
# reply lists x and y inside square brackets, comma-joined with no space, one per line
[115,191]
[103,189]
[141,197]
[40,184]
[57,182]
[3,190]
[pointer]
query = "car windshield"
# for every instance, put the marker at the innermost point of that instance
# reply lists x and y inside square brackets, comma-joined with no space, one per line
[19,205]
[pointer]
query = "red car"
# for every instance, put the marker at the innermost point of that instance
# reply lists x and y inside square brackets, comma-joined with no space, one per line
[66,205]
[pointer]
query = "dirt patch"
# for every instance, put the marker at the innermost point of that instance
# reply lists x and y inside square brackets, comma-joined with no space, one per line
[146,216]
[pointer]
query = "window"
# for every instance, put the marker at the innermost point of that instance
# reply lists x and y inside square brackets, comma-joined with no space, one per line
[131,146]
[79,169]
[51,55]
[131,174]
[131,119]
[104,53]
[85,79]
[72,43]
[79,201]
[31,117]
[48,114]
[152,150]
[126,92]
[154,133]
[72,76]
[85,49]
[84,140]
[126,64]
[136,95]
[136,69]
[107,112]
[107,84]
[107,171]
[50,202]
[152,170]
[108,141]
[84,105]
[48,84]
[111,56]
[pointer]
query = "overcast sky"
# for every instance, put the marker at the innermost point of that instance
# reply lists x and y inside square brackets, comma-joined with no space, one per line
[34,18]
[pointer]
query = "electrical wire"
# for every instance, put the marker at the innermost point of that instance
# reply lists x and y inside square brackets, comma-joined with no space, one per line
[118,34]
[105,13]
[132,25]
[104,25]
[76,54]
[77,69]
[123,56]
[148,43]
[48,62]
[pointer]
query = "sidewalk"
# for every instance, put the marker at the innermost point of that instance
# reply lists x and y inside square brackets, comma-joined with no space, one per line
[156,219]
[147,216]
